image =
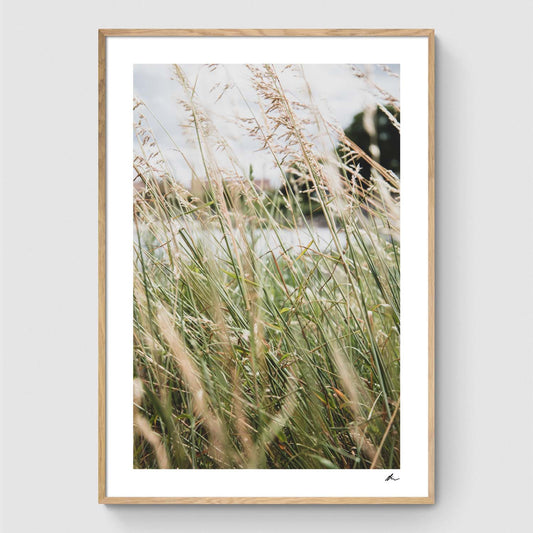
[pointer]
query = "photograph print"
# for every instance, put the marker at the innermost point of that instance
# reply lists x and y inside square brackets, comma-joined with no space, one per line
[266,257]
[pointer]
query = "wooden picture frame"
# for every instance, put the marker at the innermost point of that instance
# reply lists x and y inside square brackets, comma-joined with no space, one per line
[104,391]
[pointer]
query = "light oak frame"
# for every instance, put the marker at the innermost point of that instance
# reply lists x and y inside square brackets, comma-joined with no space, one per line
[102,35]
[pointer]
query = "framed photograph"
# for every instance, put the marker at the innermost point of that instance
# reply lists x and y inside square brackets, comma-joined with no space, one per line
[266,287]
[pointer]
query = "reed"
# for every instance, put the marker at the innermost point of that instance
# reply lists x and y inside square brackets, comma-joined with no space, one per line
[252,350]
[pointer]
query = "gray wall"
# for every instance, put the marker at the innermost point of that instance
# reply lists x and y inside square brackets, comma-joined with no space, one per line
[484,263]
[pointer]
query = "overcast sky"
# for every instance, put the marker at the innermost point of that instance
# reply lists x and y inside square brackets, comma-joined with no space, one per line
[337,92]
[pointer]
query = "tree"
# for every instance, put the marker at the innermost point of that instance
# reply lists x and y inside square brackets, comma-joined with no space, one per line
[388,140]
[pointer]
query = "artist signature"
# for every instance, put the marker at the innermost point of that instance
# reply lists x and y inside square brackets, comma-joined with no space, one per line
[388,478]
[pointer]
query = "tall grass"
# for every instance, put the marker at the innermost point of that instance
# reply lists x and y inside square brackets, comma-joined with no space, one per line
[252,349]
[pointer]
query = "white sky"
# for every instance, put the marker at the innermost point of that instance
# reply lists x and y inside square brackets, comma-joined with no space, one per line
[337,92]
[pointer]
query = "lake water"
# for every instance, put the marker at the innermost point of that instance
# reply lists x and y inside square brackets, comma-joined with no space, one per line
[290,239]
